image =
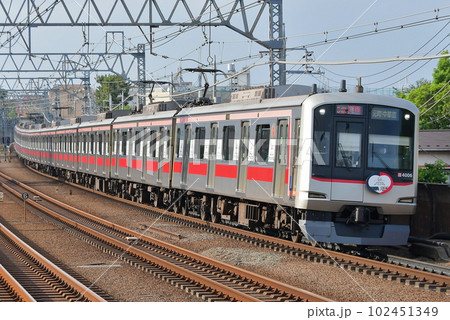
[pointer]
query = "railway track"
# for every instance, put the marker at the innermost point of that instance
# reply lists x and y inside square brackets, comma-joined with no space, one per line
[205,277]
[407,273]
[27,276]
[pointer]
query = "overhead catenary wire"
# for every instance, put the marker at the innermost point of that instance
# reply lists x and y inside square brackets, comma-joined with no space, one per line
[448,82]
[434,104]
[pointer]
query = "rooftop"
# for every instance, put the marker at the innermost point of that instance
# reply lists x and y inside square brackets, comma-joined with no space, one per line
[434,140]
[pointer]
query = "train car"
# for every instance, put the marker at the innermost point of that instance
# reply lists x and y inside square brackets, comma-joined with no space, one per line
[324,167]
[360,156]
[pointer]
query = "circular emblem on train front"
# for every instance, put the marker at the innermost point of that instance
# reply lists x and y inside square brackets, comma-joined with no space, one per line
[380,183]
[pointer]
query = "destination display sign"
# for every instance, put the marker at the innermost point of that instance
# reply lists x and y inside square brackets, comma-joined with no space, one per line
[349,109]
[385,114]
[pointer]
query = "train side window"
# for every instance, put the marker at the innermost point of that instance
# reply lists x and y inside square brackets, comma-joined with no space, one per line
[178,143]
[137,143]
[100,143]
[321,138]
[199,143]
[84,143]
[228,142]
[262,143]
[167,144]
[152,149]
[116,142]
[106,142]
[123,150]
[92,143]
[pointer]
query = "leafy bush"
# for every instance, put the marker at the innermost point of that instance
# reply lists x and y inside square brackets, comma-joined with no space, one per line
[433,172]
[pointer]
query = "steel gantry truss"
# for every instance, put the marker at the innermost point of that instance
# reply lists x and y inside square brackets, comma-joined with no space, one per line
[19,21]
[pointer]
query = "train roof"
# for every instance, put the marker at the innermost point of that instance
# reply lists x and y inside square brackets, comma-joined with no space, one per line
[307,101]
[340,97]
[264,104]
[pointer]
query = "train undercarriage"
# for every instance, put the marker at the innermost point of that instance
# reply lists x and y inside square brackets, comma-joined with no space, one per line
[267,218]
[258,216]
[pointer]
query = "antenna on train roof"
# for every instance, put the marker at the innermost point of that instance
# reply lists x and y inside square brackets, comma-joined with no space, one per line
[343,87]
[359,88]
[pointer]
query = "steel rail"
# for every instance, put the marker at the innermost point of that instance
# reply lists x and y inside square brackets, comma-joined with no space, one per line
[69,280]
[235,294]
[320,254]
[15,286]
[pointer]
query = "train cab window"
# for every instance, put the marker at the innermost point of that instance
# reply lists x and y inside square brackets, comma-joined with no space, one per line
[321,138]
[262,142]
[199,150]
[228,142]
[348,144]
[391,139]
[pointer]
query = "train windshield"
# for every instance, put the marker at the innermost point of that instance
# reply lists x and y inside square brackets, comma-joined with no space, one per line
[391,136]
[362,137]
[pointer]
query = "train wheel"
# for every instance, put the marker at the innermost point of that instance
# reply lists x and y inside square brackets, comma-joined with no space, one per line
[176,207]
[296,236]
[215,216]
[185,209]
[204,214]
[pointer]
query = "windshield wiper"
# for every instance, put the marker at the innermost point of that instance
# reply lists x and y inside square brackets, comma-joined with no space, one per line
[386,166]
[344,157]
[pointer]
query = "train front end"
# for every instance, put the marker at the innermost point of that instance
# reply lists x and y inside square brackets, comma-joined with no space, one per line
[358,169]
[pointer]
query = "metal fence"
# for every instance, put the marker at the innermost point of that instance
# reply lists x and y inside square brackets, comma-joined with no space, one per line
[433,210]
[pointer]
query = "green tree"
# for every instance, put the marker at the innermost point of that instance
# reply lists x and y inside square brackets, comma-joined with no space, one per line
[113,85]
[3,94]
[432,97]
[433,172]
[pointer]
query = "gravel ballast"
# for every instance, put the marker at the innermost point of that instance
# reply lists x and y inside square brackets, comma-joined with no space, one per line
[130,284]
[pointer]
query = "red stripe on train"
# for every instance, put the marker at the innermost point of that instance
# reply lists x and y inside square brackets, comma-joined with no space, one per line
[198,168]
[260,174]
[226,171]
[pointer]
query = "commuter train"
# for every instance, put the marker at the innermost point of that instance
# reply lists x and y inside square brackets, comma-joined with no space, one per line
[323,167]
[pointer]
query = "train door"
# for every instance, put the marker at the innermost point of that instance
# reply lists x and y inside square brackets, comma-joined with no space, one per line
[348,163]
[281,156]
[186,153]
[243,157]
[212,155]
[294,165]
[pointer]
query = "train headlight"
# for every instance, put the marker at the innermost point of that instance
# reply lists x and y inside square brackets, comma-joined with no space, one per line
[316,195]
[406,200]
[407,116]
[322,112]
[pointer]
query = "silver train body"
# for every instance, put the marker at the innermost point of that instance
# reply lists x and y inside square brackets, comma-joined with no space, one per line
[329,167]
